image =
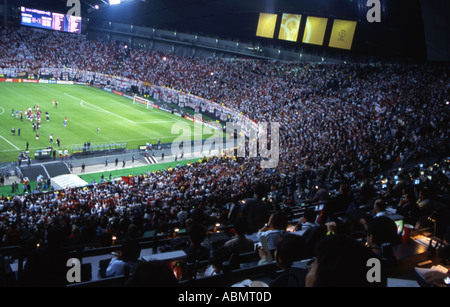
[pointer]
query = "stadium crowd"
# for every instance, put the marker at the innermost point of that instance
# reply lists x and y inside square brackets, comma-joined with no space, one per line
[351,121]
[351,115]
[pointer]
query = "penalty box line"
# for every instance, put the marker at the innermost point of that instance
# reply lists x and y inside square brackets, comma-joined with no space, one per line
[10,143]
[131,121]
[106,111]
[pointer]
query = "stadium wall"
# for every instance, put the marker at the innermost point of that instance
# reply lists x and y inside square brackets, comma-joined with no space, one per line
[187,44]
[437,29]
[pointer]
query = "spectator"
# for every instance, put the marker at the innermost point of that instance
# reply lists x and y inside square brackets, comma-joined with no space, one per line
[182,216]
[46,266]
[308,220]
[379,209]
[424,202]
[13,236]
[275,228]
[289,248]
[75,237]
[240,243]
[321,195]
[339,203]
[198,214]
[340,261]
[254,210]
[380,231]
[196,251]
[367,191]
[124,260]
[400,186]
[408,208]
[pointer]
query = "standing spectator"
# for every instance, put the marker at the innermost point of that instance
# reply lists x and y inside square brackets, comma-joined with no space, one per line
[46,266]
[13,235]
[196,251]
[322,194]
[367,191]
[337,204]
[198,214]
[255,210]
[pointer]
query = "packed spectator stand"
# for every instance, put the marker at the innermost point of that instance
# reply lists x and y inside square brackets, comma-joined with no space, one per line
[369,131]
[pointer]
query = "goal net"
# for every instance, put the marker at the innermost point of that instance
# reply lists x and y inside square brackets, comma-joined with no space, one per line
[139,100]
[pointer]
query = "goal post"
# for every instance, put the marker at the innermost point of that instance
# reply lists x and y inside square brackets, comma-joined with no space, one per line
[137,99]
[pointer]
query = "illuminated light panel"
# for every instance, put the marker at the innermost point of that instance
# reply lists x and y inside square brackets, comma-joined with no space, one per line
[342,34]
[290,24]
[315,30]
[266,25]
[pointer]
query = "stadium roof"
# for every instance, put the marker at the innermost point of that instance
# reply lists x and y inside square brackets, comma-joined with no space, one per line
[409,28]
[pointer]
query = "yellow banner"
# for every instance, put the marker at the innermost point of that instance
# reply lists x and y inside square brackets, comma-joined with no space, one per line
[315,30]
[342,34]
[290,24]
[266,25]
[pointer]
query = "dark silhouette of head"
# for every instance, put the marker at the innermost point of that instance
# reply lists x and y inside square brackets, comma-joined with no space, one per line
[289,248]
[381,230]
[340,261]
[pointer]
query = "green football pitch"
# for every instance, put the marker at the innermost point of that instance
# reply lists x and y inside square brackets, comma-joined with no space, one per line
[93,115]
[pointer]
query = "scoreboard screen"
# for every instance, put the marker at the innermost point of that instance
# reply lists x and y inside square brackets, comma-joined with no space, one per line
[49,20]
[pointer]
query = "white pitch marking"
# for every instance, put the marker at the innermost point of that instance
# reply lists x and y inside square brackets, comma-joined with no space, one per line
[106,111]
[10,143]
